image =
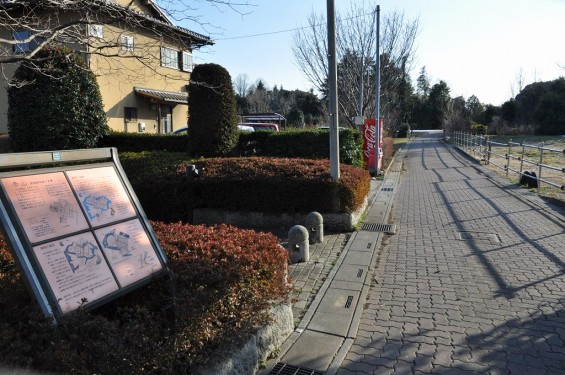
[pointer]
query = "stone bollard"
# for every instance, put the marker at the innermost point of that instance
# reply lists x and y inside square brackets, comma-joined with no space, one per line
[315,224]
[298,246]
[191,171]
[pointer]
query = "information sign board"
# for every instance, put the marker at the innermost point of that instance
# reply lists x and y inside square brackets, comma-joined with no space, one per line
[77,232]
[45,205]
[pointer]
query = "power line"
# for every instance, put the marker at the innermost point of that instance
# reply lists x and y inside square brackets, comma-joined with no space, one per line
[263,34]
[288,30]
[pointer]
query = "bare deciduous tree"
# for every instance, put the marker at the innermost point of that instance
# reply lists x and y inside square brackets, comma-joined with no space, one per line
[28,26]
[518,84]
[242,85]
[355,46]
[259,97]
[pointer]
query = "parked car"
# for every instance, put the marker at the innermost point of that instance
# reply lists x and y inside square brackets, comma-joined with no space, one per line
[245,128]
[261,126]
[181,130]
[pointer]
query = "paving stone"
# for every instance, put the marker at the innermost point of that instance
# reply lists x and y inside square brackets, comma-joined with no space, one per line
[471,304]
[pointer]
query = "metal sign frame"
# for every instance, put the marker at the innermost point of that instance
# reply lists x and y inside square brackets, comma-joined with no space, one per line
[105,263]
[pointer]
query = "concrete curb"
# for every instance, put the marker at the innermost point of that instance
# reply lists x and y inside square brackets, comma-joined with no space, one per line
[246,358]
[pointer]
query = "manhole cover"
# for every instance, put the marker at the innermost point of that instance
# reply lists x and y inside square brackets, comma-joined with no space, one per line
[387,228]
[284,369]
[491,238]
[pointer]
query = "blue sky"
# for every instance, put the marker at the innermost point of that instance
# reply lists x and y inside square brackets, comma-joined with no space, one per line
[478,47]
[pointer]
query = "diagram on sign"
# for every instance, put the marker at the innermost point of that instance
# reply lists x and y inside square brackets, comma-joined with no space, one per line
[117,241]
[66,211]
[45,204]
[97,207]
[129,251]
[81,254]
[76,270]
[101,195]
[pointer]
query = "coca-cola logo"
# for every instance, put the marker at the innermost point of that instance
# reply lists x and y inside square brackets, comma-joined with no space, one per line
[369,135]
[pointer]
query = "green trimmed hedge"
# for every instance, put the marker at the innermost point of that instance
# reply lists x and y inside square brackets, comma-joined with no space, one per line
[138,142]
[307,144]
[148,164]
[254,184]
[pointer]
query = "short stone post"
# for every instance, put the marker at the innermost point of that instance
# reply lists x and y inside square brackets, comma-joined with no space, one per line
[315,225]
[298,246]
[191,171]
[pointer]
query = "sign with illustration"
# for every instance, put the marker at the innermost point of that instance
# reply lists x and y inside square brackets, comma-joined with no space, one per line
[128,251]
[78,233]
[101,194]
[45,204]
[76,270]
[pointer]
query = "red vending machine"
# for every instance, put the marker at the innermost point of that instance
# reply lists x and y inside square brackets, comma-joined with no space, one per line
[373,145]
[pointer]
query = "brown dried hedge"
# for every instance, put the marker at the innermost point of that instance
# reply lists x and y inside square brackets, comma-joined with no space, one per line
[254,184]
[225,279]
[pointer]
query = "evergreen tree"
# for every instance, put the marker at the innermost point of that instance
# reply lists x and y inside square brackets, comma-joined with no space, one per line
[423,83]
[212,129]
[55,104]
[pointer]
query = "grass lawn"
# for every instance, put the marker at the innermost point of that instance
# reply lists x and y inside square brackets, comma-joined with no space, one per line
[524,154]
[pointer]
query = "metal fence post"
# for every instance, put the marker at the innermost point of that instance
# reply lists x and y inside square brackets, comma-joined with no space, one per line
[480,147]
[508,156]
[540,165]
[522,159]
[489,151]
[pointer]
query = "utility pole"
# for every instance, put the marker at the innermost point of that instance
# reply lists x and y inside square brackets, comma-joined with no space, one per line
[332,81]
[361,87]
[378,96]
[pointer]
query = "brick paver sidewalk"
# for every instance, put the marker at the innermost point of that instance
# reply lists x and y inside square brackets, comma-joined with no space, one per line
[308,277]
[472,282]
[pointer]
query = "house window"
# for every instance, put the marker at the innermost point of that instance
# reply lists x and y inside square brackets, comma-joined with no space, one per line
[97,31]
[22,47]
[28,46]
[186,61]
[21,35]
[126,42]
[130,113]
[169,58]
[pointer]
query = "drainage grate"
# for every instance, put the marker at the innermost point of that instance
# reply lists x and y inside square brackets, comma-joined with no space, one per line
[387,189]
[360,272]
[387,228]
[348,303]
[283,369]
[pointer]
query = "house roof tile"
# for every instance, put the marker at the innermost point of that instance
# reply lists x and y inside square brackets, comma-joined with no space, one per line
[163,96]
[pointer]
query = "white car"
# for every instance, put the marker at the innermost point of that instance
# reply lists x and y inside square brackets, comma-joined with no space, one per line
[246,128]
[242,128]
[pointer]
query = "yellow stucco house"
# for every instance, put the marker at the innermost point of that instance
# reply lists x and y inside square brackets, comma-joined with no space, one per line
[141,59]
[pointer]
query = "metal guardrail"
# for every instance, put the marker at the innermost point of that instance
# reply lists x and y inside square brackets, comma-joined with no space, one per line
[514,157]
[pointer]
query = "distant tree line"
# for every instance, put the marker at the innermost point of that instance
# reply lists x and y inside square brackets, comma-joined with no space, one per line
[538,107]
[300,108]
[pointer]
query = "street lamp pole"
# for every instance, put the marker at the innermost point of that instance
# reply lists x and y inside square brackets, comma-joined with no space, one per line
[332,82]
[378,93]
